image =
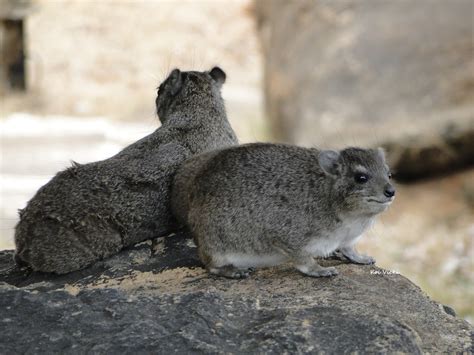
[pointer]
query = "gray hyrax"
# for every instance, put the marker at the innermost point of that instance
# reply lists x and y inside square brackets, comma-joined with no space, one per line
[91,211]
[264,204]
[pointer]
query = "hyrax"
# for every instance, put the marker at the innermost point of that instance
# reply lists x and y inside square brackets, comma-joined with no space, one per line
[264,204]
[91,211]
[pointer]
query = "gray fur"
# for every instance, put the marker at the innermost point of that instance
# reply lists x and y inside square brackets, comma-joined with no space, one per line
[91,211]
[265,204]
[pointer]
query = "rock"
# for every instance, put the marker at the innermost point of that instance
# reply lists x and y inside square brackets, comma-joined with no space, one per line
[361,72]
[420,155]
[155,297]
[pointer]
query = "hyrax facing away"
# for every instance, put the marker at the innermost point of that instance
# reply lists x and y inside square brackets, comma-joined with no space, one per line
[263,204]
[91,211]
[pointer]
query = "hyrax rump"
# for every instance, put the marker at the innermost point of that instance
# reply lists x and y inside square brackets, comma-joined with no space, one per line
[91,211]
[264,204]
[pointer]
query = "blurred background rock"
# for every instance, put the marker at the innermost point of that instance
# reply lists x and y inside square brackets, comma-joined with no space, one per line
[372,72]
[78,81]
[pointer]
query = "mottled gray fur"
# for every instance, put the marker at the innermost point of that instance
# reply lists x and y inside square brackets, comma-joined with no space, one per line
[91,211]
[264,204]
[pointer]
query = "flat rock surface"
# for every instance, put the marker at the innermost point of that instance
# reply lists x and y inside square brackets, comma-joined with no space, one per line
[156,298]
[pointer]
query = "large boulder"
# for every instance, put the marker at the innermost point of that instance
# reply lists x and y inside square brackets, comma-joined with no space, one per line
[364,72]
[421,155]
[156,298]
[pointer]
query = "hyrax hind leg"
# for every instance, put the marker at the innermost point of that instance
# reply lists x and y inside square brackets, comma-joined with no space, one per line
[220,266]
[230,271]
[213,247]
[54,248]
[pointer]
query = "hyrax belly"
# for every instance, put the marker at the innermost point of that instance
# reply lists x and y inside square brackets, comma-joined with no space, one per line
[345,234]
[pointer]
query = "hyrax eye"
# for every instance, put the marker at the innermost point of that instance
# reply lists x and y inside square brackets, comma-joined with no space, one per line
[389,175]
[361,178]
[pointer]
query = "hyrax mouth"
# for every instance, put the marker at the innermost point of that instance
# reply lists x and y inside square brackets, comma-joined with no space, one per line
[382,202]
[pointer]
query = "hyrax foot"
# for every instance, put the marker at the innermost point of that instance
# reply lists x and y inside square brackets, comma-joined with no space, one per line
[231,272]
[351,254]
[318,271]
[364,259]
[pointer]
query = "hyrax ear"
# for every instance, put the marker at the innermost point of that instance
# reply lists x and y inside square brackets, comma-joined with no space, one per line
[218,75]
[329,161]
[175,81]
[381,153]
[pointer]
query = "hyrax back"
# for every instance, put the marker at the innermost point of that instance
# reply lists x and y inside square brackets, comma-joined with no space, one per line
[264,204]
[91,211]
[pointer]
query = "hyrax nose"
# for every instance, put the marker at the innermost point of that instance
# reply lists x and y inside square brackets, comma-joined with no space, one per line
[389,191]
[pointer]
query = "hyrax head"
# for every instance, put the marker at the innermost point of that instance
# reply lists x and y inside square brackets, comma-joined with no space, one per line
[189,90]
[361,179]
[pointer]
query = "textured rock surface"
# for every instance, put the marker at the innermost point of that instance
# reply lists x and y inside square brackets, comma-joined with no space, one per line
[156,298]
[357,72]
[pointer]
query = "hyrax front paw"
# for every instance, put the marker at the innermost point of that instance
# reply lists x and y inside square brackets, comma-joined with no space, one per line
[355,257]
[231,272]
[364,259]
[361,259]
[318,271]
